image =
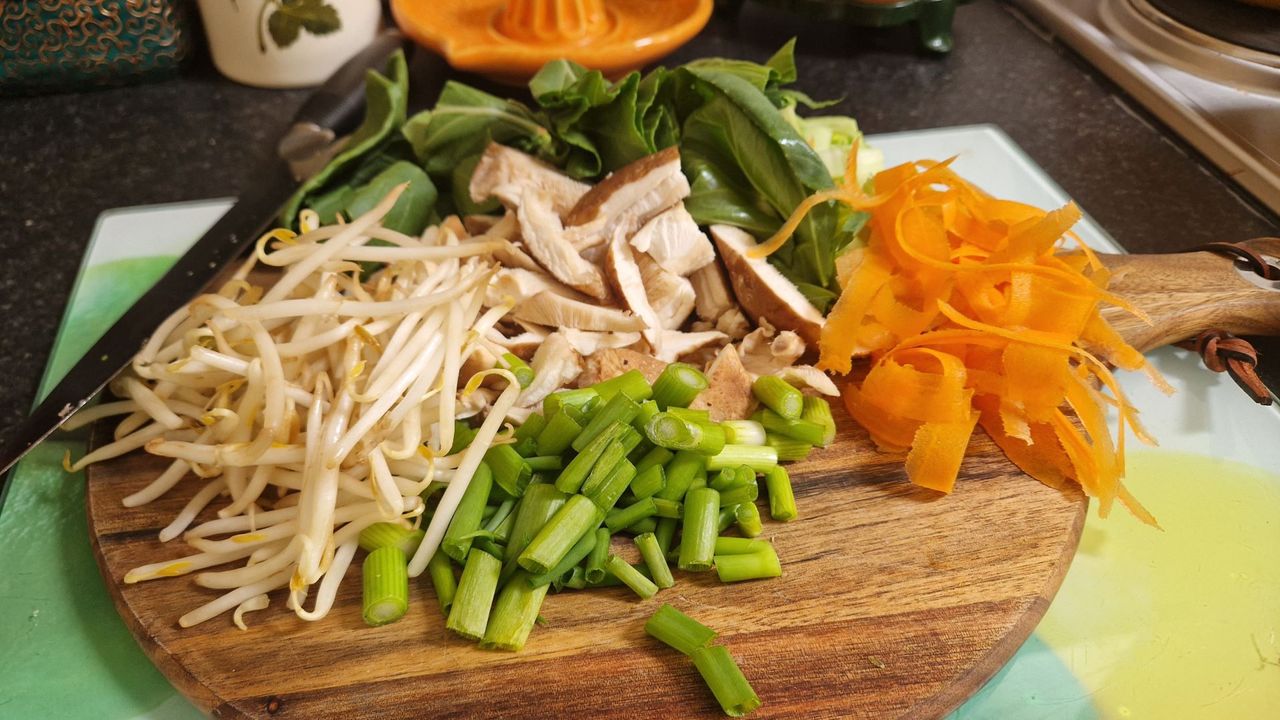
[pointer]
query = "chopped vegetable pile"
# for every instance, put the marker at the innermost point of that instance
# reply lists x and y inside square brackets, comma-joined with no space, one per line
[616,459]
[363,401]
[748,157]
[714,663]
[973,315]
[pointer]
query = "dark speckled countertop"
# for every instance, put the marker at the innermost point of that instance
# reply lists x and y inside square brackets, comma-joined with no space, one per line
[66,158]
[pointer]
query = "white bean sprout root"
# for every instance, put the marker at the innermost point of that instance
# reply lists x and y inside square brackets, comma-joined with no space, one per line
[313,408]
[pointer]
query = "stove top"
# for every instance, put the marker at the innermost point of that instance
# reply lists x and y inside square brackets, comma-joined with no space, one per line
[1246,26]
[1210,69]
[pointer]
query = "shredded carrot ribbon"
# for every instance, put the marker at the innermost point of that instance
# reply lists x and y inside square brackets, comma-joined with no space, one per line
[975,314]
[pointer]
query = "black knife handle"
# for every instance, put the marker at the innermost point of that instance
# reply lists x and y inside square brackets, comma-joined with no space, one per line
[339,104]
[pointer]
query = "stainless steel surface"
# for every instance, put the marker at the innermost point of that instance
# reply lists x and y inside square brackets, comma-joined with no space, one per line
[1221,98]
[307,148]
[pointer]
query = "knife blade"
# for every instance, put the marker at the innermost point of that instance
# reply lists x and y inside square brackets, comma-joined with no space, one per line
[332,109]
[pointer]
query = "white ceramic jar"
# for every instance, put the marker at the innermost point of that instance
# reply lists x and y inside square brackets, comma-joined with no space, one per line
[286,43]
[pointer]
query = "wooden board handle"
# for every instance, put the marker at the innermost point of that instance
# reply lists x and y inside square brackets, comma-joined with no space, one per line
[1186,293]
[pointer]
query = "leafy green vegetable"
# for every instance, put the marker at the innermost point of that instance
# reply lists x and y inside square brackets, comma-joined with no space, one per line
[449,139]
[739,127]
[414,208]
[750,159]
[386,103]
[465,120]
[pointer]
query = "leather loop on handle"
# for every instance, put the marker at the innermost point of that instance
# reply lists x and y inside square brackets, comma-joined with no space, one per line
[1188,293]
[1224,352]
[1220,350]
[1256,262]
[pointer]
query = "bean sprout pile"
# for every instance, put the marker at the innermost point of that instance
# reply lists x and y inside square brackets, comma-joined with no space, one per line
[315,407]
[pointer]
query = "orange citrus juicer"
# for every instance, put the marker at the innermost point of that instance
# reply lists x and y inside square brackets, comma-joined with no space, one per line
[509,40]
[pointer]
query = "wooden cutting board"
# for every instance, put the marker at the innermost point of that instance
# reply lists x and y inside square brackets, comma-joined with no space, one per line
[895,602]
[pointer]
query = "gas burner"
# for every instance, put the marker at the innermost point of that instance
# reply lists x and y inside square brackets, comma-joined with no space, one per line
[1202,39]
[1243,26]
[1210,69]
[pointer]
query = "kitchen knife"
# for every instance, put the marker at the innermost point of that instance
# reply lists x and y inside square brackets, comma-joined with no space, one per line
[332,109]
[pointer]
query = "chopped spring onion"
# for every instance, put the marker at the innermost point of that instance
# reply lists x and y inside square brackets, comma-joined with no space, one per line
[514,614]
[596,558]
[668,508]
[688,415]
[727,517]
[782,499]
[558,434]
[576,580]
[727,478]
[744,493]
[648,409]
[518,367]
[614,486]
[798,429]
[757,457]
[748,518]
[614,453]
[656,456]
[788,449]
[677,385]
[740,546]
[665,531]
[582,399]
[510,471]
[619,409]
[631,577]
[621,518]
[743,432]
[779,396]
[818,410]
[653,558]
[386,586]
[463,434]
[698,530]
[680,473]
[749,566]
[648,482]
[545,463]
[630,383]
[576,554]
[531,427]
[470,612]
[668,431]
[710,438]
[645,525]
[725,679]
[445,584]
[575,473]
[540,503]
[578,517]
[699,479]
[678,630]
[500,522]
[385,534]
[467,518]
